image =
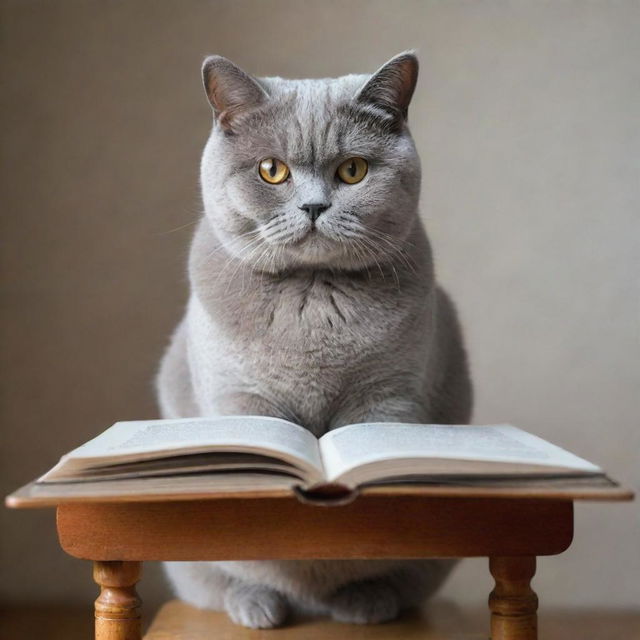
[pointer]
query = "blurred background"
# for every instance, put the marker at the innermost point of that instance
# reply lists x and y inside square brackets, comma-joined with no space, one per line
[527,119]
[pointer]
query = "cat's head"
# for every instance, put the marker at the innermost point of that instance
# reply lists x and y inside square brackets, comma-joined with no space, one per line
[319,173]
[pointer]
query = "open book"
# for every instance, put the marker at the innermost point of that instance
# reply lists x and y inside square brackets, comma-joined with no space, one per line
[348,457]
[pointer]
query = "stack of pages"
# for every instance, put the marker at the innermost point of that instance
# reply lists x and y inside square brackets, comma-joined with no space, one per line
[250,452]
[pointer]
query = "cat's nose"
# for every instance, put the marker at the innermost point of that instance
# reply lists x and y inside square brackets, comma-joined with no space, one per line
[315,209]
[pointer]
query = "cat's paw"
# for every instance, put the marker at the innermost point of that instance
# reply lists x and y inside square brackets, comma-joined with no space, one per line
[367,602]
[255,606]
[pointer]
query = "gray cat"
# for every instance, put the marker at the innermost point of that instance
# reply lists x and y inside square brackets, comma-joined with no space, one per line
[313,299]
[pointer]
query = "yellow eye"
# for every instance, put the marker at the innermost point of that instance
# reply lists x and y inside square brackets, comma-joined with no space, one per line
[273,171]
[353,170]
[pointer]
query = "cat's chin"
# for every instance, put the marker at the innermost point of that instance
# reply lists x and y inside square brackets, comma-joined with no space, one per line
[314,258]
[314,250]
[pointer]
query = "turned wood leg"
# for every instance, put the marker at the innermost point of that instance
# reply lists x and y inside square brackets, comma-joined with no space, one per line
[117,607]
[513,603]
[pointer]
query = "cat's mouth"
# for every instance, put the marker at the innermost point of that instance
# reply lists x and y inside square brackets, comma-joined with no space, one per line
[312,236]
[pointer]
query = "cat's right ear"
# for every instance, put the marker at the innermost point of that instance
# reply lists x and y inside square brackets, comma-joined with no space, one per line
[230,90]
[391,87]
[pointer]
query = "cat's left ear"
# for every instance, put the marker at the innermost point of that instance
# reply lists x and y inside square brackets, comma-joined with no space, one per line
[391,87]
[230,90]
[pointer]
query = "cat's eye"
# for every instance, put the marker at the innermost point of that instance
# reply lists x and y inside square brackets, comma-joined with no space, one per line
[273,171]
[353,170]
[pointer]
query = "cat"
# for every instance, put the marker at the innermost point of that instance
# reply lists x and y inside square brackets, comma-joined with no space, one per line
[313,299]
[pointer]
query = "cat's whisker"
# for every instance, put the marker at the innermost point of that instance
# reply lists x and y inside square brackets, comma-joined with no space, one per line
[371,252]
[367,246]
[398,242]
[232,241]
[243,255]
[247,260]
[394,244]
[181,227]
[361,255]
[289,232]
[389,264]
[396,250]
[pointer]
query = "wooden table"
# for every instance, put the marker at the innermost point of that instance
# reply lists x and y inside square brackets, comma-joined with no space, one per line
[509,525]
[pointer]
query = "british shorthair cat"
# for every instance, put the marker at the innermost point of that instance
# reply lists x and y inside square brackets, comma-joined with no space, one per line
[313,299]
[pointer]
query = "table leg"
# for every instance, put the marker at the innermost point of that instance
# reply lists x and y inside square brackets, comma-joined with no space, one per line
[513,603]
[117,607]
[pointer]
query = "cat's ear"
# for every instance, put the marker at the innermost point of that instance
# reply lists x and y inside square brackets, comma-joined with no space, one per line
[391,87]
[230,90]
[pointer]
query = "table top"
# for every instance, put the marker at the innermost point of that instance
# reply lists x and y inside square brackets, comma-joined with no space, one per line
[199,487]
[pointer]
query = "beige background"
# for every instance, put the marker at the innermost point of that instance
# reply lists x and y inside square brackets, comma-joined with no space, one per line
[527,121]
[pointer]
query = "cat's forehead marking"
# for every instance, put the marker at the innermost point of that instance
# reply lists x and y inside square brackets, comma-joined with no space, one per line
[308,117]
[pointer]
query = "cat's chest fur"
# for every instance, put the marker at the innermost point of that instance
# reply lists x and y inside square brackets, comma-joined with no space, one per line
[301,339]
[310,321]
[320,317]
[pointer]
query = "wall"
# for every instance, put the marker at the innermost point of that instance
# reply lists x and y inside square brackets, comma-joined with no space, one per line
[526,118]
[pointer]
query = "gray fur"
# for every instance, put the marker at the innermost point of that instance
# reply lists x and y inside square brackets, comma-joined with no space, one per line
[323,323]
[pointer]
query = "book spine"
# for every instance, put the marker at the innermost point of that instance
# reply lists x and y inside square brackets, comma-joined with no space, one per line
[328,495]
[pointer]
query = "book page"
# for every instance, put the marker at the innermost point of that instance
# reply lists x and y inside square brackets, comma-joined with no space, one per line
[355,445]
[145,439]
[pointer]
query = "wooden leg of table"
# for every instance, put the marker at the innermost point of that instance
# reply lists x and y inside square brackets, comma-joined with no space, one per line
[117,607]
[513,602]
